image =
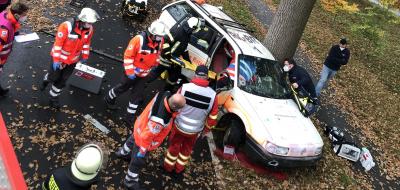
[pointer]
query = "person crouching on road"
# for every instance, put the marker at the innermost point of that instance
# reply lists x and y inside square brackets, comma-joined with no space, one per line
[72,44]
[10,23]
[201,110]
[140,57]
[150,130]
[81,174]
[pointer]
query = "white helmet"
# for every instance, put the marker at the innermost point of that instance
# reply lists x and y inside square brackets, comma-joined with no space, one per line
[88,15]
[158,28]
[88,162]
[196,23]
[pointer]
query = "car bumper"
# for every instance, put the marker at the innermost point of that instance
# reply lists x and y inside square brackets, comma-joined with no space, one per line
[258,154]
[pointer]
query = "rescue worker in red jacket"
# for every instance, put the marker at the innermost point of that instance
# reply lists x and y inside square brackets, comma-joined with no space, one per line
[140,57]
[72,44]
[201,110]
[10,23]
[150,130]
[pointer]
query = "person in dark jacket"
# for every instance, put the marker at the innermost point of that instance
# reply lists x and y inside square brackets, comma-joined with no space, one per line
[299,77]
[83,172]
[338,55]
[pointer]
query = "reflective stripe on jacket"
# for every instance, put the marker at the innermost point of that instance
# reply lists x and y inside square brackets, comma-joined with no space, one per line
[71,43]
[200,103]
[141,55]
[8,26]
[154,124]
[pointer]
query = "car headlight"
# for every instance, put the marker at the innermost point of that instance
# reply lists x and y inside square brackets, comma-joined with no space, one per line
[275,149]
[318,151]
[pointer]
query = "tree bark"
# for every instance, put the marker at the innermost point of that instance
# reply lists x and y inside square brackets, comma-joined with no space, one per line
[287,27]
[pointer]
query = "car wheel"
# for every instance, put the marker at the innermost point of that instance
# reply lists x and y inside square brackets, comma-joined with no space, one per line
[234,135]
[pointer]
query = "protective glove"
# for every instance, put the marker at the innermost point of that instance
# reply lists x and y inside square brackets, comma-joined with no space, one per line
[83,61]
[140,154]
[132,77]
[56,66]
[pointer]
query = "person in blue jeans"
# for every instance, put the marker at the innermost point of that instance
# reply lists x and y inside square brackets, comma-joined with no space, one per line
[338,55]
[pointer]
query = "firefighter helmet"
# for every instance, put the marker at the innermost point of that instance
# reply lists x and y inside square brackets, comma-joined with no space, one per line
[88,15]
[158,28]
[196,23]
[88,162]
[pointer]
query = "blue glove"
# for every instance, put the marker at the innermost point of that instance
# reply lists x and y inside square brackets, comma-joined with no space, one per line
[83,61]
[132,76]
[56,66]
[140,155]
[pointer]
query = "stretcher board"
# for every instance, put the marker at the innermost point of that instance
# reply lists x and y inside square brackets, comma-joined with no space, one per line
[26,37]
[87,78]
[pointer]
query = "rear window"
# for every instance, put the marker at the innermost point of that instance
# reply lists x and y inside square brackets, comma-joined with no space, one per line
[180,11]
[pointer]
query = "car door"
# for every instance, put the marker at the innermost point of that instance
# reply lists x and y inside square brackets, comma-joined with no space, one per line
[201,46]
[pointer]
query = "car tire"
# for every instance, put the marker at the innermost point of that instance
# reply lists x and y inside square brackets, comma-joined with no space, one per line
[234,135]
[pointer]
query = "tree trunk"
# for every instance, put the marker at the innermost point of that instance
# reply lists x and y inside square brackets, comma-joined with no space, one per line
[287,27]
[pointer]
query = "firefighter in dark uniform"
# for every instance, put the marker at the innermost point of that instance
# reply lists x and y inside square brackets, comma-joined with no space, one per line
[175,46]
[83,172]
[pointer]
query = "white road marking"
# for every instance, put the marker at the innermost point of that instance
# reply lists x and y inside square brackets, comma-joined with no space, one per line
[96,123]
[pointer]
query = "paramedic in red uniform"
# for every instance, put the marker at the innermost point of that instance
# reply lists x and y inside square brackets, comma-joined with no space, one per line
[150,130]
[201,110]
[10,23]
[140,57]
[72,44]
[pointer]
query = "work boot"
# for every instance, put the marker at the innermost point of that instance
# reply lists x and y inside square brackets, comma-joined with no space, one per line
[119,154]
[54,102]
[3,92]
[43,85]
[110,103]
[132,185]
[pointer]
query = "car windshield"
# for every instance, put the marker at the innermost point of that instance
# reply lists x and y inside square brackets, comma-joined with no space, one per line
[262,77]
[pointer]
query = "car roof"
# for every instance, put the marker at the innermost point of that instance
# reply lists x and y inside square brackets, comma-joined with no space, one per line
[238,33]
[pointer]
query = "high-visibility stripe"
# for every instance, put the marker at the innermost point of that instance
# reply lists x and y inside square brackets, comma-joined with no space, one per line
[169,162]
[131,111]
[57,48]
[182,163]
[7,45]
[72,36]
[56,54]
[128,67]
[5,52]
[183,157]
[63,57]
[132,105]
[55,89]
[65,52]
[132,175]
[85,46]
[128,61]
[85,52]
[171,157]
[213,116]
[53,94]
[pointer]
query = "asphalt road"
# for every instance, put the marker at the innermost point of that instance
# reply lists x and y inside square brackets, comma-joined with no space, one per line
[45,139]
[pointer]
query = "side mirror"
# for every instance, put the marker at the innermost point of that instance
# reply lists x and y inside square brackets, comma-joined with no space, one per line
[224,82]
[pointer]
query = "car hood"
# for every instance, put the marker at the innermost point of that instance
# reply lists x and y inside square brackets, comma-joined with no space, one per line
[283,121]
